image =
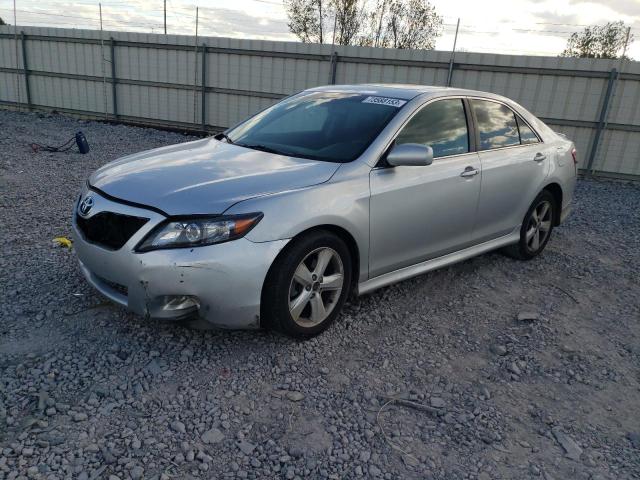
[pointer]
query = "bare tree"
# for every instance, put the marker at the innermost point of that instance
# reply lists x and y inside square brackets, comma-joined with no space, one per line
[307,19]
[349,18]
[373,29]
[386,23]
[409,24]
[606,41]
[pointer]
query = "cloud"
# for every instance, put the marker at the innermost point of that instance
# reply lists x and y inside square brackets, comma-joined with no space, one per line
[551,20]
[627,8]
[147,16]
[539,27]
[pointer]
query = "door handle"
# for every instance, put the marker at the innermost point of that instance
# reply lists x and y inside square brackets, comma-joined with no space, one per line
[539,157]
[469,172]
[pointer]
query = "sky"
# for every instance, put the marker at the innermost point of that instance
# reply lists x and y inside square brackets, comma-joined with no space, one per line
[530,27]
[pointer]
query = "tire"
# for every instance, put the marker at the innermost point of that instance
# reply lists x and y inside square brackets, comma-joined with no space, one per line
[532,228]
[302,303]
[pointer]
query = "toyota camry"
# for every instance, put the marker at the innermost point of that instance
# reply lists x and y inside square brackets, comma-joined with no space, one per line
[334,191]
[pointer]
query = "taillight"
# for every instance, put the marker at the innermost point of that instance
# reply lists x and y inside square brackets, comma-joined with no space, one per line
[574,155]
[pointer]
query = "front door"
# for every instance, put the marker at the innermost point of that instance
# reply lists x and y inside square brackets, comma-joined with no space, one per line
[418,213]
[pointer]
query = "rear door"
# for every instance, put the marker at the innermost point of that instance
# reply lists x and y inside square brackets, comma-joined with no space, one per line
[418,213]
[514,162]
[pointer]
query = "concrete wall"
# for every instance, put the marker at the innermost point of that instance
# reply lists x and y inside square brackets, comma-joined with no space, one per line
[155,77]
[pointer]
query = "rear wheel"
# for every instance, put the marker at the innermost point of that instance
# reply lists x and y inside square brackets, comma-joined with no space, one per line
[536,228]
[307,285]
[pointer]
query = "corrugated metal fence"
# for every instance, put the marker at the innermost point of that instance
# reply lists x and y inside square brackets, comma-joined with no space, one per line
[166,80]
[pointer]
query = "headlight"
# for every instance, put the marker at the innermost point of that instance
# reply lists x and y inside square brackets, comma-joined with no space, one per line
[198,231]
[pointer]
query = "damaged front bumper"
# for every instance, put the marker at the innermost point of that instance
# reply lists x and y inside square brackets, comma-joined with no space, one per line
[221,283]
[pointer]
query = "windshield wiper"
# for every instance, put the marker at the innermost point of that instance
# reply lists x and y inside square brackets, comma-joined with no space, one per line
[262,148]
[223,135]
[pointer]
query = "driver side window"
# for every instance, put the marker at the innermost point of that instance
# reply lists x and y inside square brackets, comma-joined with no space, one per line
[442,125]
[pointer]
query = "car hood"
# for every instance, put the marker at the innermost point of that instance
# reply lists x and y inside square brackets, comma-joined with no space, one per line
[205,176]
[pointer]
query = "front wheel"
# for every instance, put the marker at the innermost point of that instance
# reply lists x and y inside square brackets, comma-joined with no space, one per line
[307,285]
[536,228]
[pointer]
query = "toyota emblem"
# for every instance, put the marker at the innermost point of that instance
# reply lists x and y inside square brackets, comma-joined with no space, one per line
[85,205]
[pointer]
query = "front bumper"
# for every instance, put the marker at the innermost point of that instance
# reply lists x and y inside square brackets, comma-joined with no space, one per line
[226,279]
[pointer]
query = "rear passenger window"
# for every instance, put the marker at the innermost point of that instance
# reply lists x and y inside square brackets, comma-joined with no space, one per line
[496,124]
[442,125]
[527,136]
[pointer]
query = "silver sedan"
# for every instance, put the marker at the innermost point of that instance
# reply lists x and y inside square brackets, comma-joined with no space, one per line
[337,190]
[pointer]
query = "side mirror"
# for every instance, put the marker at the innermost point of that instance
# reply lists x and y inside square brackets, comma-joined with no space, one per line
[410,155]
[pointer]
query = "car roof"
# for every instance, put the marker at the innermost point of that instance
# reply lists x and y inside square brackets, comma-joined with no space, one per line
[408,92]
[402,91]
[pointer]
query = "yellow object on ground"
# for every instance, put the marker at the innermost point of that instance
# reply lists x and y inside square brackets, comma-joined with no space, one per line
[63,242]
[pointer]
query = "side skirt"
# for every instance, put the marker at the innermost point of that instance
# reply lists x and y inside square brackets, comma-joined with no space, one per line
[428,265]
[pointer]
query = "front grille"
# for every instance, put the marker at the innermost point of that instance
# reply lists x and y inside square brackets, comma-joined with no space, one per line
[108,229]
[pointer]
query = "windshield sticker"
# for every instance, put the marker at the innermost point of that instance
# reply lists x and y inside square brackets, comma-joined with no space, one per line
[391,102]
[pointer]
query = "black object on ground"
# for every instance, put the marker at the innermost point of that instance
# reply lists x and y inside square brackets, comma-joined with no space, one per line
[79,138]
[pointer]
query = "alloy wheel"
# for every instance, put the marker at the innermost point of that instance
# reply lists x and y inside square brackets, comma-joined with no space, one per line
[539,225]
[316,287]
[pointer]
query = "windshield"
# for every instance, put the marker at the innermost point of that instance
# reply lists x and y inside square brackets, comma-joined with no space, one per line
[328,126]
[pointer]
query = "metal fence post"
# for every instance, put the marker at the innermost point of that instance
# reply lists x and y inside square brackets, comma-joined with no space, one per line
[25,69]
[453,55]
[333,67]
[114,80]
[204,87]
[613,75]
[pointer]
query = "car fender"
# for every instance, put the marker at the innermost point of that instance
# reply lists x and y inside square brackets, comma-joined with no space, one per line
[341,202]
[562,170]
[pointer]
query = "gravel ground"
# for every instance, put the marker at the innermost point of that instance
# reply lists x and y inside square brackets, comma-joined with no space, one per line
[445,376]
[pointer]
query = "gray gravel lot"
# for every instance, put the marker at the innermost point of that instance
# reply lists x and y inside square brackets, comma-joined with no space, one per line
[435,377]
